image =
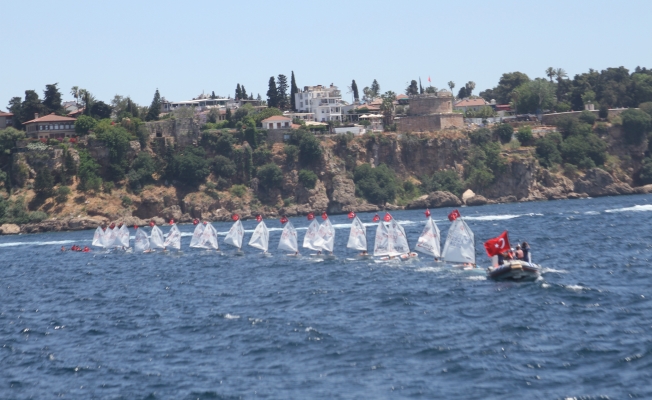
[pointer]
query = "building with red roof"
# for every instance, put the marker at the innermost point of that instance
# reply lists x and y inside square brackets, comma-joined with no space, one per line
[6,119]
[51,126]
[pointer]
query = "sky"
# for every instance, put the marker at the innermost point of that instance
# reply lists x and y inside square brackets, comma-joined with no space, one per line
[131,48]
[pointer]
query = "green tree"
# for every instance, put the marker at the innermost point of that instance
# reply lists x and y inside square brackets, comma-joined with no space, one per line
[154,108]
[504,132]
[8,139]
[88,172]
[585,151]
[375,89]
[272,94]
[32,106]
[294,89]
[190,166]
[547,149]
[307,178]
[412,88]
[69,166]
[636,125]
[377,185]
[74,91]
[141,170]
[282,88]
[84,124]
[524,135]
[535,96]
[52,99]
[238,92]
[588,117]
[451,85]
[101,110]
[223,167]
[354,88]
[444,180]
[270,176]
[550,73]
[62,194]
[16,107]
[44,183]
[645,174]
[506,85]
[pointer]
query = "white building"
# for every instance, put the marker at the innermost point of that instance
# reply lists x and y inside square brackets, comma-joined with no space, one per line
[324,102]
[277,122]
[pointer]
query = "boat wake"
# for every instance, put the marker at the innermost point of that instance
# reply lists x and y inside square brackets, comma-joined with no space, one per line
[636,208]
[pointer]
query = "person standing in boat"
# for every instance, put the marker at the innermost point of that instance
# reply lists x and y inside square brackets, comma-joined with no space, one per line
[526,251]
[519,253]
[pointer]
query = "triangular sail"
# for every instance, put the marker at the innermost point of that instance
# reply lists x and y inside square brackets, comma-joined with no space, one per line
[98,237]
[429,241]
[460,243]
[208,238]
[398,243]
[325,236]
[123,236]
[260,237]
[381,245]
[289,238]
[235,235]
[174,238]
[141,243]
[196,236]
[110,236]
[357,236]
[312,235]
[156,239]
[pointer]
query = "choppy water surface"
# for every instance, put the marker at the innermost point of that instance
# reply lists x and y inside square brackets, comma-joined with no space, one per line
[197,325]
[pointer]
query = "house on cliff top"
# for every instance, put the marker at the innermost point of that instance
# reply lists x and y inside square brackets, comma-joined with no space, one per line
[51,126]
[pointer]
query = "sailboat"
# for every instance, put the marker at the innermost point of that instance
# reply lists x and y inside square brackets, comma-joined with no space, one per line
[391,240]
[429,241]
[326,238]
[288,240]
[208,239]
[98,237]
[174,238]
[122,238]
[311,237]
[236,236]
[398,240]
[358,237]
[156,239]
[196,237]
[260,238]
[459,247]
[110,236]
[141,244]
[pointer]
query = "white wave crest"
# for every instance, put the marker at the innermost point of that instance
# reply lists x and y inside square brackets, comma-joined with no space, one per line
[636,208]
[576,288]
[13,244]
[229,316]
[592,213]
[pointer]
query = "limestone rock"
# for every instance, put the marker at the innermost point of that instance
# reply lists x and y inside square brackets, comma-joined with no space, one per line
[172,212]
[443,199]
[150,206]
[467,195]
[9,229]
[643,189]
[597,182]
[419,202]
[81,223]
[476,200]
[343,197]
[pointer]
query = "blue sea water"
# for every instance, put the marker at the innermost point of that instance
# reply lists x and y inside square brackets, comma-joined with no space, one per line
[197,325]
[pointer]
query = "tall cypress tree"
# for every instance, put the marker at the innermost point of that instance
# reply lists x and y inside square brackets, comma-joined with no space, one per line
[420,87]
[293,90]
[375,88]
[243,93]
[52,98]
[272,93]
[354,87]
[238,92]
[154,108]
[282,88]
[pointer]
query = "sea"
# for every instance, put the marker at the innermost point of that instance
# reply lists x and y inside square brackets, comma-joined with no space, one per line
[198,325]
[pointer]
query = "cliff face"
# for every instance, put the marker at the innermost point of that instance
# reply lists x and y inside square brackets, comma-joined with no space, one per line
[410,156]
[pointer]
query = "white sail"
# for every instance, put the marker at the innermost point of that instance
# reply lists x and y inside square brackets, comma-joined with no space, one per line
[196,236]
[123,236]
[235,235]
[357,236]
[429,241]
[174,238]
[312,236]
[156,239]
[110,236]
[98,237]
[141,243]
[289,238]
[460,243]
[325,236]
[398,243]
[381,245]
[260,237]
[208,238]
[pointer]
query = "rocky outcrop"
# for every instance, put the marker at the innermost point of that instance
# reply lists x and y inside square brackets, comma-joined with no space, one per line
[597,182]
[343,197]
[435,200]
[9,229]
[476,200]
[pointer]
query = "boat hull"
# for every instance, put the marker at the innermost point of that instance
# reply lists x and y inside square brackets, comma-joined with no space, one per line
[515,271]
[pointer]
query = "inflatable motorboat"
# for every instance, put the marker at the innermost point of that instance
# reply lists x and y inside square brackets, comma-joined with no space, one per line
[514,270]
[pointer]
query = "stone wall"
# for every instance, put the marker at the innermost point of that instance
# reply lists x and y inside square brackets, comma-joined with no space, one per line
[429,104]
[277,135]
[552,119]
[429,123]
[185,131]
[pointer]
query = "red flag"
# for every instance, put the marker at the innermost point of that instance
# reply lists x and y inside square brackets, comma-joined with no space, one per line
[324,216]
[235,217]
[259,218]
[427,213]
[151,224]
[135,226]
[429,78]
[205,223]
[310,216]
[195,221]
[284,220]
[351,215]
[171,222]
[454,215]
[497,245]
[387,217]
[112,226]
[376,218]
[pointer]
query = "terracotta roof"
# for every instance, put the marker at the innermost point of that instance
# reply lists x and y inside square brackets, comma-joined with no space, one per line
[277,118]
[471,103]
[402,96]
[6,114]
[51,118]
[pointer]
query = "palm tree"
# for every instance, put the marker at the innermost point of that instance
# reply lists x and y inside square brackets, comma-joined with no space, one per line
[561,74]
[470,85]
[451,85]
[550,72]
[75,93]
